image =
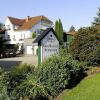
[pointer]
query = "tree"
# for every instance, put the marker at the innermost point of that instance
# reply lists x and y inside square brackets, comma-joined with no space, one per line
[33,35]
[97,19]
[72,29]
[86,45]
[59,30]
[2,31]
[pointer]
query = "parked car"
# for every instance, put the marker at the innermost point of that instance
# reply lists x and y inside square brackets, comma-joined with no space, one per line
[9,53]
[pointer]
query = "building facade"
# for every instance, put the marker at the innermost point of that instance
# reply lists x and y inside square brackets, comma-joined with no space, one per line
[18,30]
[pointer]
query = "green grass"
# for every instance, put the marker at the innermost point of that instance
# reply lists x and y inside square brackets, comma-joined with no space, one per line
[87,89]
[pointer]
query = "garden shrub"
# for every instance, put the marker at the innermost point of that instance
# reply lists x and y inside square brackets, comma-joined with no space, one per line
[17,75]
[86,45]
[33,35]
[30,89]
[3,87]
[54,74]
[47,80]
[57,71]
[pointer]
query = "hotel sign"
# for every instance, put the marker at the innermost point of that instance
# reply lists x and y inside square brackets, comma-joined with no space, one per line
[49,46]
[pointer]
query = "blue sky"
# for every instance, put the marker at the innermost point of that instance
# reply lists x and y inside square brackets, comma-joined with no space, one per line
[79,13]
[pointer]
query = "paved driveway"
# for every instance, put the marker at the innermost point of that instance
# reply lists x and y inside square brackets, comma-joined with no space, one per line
[8,63]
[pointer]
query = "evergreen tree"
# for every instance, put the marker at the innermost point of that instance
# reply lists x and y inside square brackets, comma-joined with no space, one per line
[57,28]
[72,29]
[59,31]
[97,19]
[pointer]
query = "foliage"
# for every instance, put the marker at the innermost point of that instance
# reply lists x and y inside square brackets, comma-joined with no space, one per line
[31,89]
[17,75]
[54,75]
[3,87]
[1,70]
[57,71]
[87,89]
[25,82]
[72,29]
[86,46]
[2,31]
[16,46]
[97,19]
[59,30]
[33,35]
[2,26]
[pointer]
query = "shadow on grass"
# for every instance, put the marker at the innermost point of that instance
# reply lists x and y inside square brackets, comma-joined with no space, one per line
[8,65]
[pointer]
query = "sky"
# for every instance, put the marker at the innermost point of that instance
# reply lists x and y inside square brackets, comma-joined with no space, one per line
[79,13]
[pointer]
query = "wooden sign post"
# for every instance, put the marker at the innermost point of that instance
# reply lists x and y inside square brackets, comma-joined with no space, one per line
[48,45]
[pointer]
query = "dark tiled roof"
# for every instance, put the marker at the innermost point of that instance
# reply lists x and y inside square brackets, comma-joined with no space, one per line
[40,37]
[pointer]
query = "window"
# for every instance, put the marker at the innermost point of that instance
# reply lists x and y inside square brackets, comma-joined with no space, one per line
[8,27]
[21,38]
[15,27]
[50,35]
[24,36]
[8,37]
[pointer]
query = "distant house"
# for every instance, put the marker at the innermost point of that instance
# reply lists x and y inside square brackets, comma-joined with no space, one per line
[18,30]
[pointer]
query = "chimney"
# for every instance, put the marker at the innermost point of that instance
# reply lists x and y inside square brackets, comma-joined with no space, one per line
[28,18]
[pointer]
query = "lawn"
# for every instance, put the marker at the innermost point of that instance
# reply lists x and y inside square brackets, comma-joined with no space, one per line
[87,89]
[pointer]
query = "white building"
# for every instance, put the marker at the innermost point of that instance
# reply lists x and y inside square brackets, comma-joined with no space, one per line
[18,30]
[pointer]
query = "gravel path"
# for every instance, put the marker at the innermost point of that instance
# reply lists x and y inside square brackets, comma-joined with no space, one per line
[8,63]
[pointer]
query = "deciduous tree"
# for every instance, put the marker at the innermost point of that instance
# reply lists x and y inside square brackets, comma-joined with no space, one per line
[86,45]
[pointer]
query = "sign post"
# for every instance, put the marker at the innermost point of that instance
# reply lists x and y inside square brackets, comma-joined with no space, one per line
[47,46]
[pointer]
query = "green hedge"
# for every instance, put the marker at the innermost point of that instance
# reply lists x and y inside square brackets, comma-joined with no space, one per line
[46,80]
[3,86]
[17,76]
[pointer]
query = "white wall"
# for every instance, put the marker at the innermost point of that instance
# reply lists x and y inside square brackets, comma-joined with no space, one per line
[7,22]
[18,35]
[35,49]
[49,47]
